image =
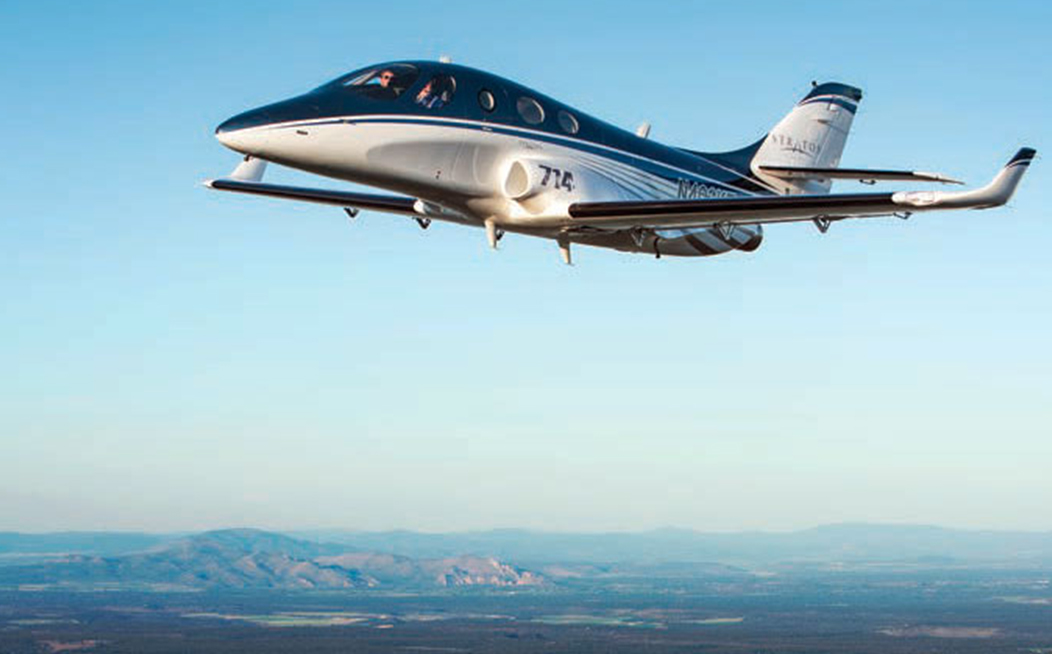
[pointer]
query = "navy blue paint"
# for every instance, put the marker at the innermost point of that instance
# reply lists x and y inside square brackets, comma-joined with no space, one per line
[1024,155]
[835,88]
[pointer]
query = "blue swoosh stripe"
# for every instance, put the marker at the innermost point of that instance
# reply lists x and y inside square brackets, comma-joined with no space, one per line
[666,171]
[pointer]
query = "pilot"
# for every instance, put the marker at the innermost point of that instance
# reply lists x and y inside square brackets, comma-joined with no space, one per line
[384,89]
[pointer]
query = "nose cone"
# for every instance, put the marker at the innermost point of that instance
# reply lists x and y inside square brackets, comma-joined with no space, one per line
[245,132]
[245,120]
[248,132]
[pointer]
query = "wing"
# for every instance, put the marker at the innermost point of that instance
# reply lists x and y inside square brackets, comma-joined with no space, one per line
[388,203]
[246,178]
[793,208]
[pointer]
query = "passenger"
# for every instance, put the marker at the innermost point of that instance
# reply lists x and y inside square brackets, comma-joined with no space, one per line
[429,96]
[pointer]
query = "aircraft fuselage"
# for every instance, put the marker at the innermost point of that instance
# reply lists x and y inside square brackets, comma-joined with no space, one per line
[488,150]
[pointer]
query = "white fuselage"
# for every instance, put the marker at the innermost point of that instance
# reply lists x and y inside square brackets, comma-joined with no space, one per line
[471,172]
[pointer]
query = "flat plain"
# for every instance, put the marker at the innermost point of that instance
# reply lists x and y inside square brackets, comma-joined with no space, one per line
[894,610]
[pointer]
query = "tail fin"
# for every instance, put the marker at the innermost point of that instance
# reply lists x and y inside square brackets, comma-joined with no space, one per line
[812,135]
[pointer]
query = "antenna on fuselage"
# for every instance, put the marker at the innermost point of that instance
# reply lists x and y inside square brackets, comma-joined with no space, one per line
[643,131]
[445,59]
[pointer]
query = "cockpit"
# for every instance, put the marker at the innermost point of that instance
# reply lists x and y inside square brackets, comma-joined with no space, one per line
[433,87]
[382,82]
[392,81]
[420,88]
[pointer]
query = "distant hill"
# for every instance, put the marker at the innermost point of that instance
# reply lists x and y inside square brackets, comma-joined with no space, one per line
[252,559]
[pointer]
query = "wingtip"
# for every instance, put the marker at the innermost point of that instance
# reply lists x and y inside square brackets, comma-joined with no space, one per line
[1025,155]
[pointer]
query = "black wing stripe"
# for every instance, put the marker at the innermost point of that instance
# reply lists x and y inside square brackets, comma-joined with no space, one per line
[389,203]
[822,204]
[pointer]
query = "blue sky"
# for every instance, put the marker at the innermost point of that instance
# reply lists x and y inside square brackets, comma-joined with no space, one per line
[176,358]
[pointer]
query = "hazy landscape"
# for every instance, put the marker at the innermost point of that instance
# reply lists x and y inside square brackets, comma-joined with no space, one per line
[840,588]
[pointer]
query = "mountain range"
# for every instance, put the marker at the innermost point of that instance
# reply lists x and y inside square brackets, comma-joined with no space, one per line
[248,558]
[399,560]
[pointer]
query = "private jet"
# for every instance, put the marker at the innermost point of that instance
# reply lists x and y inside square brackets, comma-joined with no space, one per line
[456,144]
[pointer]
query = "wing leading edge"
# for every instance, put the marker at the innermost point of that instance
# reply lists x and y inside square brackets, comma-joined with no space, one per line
[369,201]
[794,208]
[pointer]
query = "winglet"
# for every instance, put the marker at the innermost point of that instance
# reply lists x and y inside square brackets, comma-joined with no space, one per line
[996,193]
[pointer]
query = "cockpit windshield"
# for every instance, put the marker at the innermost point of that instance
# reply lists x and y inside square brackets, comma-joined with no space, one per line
[383,82]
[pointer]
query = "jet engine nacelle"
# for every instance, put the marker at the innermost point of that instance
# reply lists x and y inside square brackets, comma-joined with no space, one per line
[540,186]
[548,186]
[527,179]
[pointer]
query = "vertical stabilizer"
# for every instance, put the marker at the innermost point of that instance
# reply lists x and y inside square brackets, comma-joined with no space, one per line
[812,135]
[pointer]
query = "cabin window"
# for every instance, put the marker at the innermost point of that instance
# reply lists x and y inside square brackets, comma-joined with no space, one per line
[487,101]
[568,122]
[437,92]
[530,110]
[383,82]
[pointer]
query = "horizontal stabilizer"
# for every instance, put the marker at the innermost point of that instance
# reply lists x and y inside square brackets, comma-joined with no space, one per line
[861,174]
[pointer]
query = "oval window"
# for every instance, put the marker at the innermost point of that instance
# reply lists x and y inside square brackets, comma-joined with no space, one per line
[568,122]
[486,100]
[530,110]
